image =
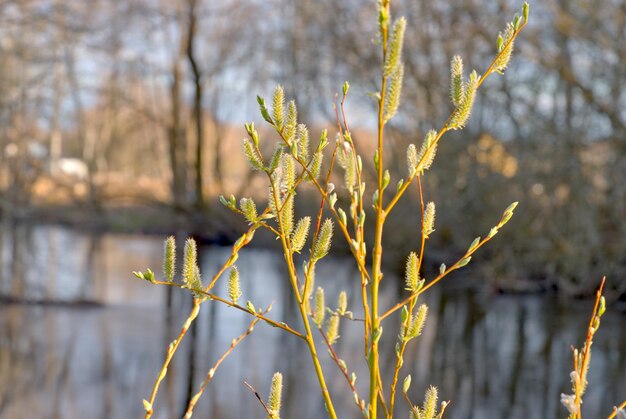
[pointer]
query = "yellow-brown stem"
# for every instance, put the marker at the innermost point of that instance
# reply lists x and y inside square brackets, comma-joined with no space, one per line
[615,409]
[209,377]
[434,281]
[357,400]
[303,314]
[445,127]
[170,354]
[581,368]
[412,304]
[377,251]
[259,316]
[358,228]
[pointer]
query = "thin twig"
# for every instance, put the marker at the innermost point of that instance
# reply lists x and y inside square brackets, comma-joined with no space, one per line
[311,262]
[358,227]
[585,355]
[293,278]
[615,410]
[210,296]
[211,373]
[258,397]
[324,194]
[169,355]
[412,304]
[406,397]
[443,408]
[357,400]
[375,388]
[445,126]
[436,280]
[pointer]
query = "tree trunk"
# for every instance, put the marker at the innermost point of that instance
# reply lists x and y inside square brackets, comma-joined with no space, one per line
[197,102]
[176,136]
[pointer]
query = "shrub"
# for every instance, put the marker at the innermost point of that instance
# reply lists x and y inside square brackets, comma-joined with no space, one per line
[294,162]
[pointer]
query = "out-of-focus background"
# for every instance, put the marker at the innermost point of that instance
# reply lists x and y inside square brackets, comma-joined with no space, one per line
[121,121]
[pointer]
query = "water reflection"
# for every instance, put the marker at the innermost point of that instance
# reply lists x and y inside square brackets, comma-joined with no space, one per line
[493,356]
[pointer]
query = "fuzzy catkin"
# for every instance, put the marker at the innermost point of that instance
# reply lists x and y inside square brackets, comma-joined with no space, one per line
[322,244]
[169,259]
[234,289]
[278,107]
[274,401]
[456,80]
[298,238]
[412,275]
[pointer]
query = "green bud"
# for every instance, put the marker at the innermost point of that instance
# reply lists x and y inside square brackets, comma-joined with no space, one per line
[361,220]
[332,199]
[508,213]
[250,306]
[602,306]
[378,333]
[346,87]
[342,304]
[473,245]
[149,275]
[464,261]
[404,313]
[407,384]
[342,216]
[386,179]
[263,109]
[323,140]
[525,11]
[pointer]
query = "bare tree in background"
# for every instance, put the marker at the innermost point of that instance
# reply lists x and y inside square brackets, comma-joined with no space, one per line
[197,100]
[150,90]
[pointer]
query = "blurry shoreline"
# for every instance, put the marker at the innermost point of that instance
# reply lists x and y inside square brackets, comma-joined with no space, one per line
[214,225]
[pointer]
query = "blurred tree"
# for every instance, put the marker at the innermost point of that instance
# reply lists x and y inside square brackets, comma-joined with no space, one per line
[151,89]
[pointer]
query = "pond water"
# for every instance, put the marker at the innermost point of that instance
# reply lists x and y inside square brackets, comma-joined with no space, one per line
[81,337]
